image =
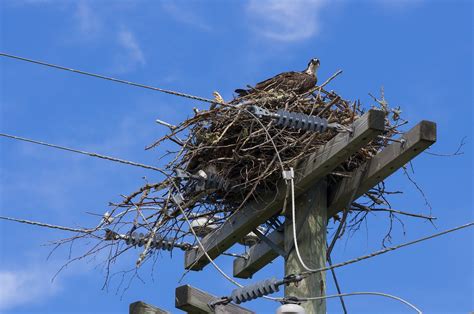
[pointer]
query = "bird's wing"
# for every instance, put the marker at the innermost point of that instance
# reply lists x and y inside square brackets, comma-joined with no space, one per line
[279,81]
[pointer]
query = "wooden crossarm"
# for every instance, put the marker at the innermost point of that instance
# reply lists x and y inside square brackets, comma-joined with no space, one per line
[386,162]
[389,160]
[312,169]
[140,307]
[195,301]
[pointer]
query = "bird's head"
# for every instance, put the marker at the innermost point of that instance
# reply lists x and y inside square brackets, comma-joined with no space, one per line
[313,65]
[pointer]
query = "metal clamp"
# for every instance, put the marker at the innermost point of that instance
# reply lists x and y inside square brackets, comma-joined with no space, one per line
[288,174]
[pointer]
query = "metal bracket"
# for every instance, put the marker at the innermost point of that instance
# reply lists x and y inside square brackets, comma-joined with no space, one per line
[270,243]
[260,112]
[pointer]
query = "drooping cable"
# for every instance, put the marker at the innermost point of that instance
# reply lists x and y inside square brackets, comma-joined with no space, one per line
[42,224]
[123,161]
[312,271]
[201,246]
[389,249]
[362,293]
[203,249]
[139,85]
[110,78]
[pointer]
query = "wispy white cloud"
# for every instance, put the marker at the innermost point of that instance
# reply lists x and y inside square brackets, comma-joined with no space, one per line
[285,21]
[132,55]
[183,14]
[297,20]
[22,287]
[88,21]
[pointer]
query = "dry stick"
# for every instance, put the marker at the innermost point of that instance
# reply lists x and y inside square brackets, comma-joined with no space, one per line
[150,240]
[330,79]
[343,219]
[329,105]
[363,208]
[312,90]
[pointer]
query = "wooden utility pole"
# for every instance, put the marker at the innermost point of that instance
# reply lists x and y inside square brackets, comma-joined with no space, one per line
[315,203]
[311,222]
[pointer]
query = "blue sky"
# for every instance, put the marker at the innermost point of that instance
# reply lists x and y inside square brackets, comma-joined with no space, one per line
[420,51]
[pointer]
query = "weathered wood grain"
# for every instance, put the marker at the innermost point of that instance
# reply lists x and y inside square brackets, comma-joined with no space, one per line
[140,307]
[311,235]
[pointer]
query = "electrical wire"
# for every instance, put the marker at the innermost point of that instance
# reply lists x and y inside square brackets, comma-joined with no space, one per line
[336,283]
[331,267]
[136,85]
[309,270]
[171,92]
[363,293]
[41,224]
[312,271]
[470,224]
[161,90]
[127,162]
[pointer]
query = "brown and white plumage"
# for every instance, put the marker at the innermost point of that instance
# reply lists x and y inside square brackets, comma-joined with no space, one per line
[298,82]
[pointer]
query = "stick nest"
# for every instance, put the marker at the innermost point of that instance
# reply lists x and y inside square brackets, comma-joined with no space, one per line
[241,155]
[246,154]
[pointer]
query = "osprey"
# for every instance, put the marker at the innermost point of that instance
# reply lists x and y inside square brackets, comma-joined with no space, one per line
[298,82]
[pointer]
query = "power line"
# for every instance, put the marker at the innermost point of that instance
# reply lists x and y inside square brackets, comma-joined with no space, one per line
[41,224]
[161,90]
[137,85]
[127,162]
[388,249]
[336,283]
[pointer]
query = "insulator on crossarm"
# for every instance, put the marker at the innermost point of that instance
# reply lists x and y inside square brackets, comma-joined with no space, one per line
[254,291]
[301,121]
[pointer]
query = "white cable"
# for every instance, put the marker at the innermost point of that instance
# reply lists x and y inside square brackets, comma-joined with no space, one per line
[204,250]
[201,246]
[293,216]
[388,249]
[364,293]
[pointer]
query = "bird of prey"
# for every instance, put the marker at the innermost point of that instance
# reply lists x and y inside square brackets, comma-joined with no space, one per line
[298,82]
